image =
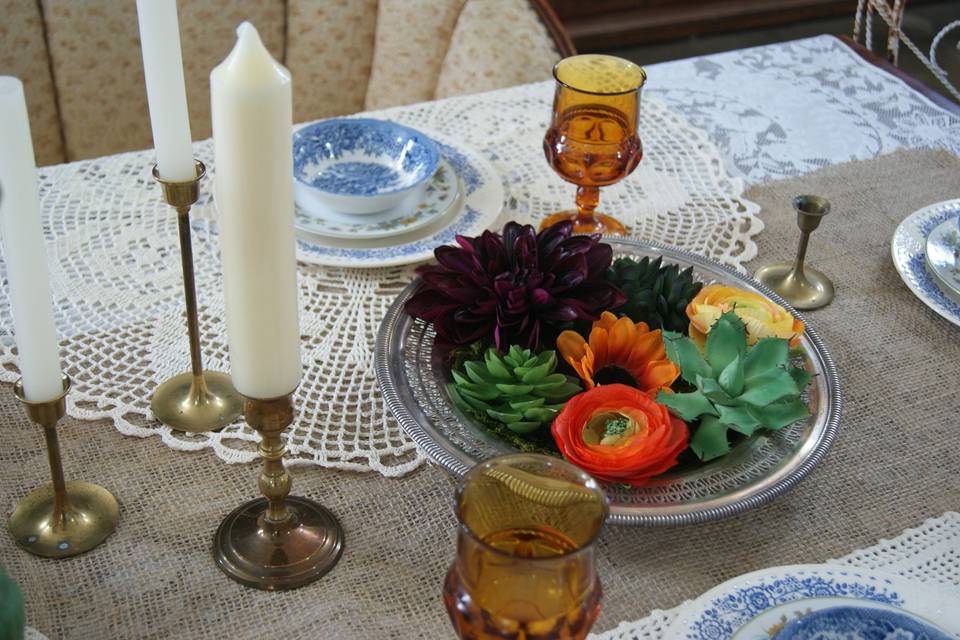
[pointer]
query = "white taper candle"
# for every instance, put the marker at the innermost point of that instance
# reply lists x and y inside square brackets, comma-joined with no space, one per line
[252,112]
[24,253]
[166,91]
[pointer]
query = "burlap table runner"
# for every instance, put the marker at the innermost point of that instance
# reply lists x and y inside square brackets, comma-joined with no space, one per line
[894,463]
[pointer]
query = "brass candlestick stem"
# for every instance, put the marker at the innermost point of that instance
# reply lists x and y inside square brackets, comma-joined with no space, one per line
[60,519]
[198,400]
[802,286]
[280,541]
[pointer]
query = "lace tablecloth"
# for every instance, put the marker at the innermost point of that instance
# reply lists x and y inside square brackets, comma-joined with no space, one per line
[929,553]
[771,111]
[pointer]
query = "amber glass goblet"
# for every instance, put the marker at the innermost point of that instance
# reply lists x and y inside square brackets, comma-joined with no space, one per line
[525,566]
[593,141]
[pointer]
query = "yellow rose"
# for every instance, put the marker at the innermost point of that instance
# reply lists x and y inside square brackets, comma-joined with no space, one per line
[762,317]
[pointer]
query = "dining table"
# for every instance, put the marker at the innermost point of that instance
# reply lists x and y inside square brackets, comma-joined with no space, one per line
[729,139]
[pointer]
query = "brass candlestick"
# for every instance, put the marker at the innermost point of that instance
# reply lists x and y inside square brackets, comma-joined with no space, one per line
[61,519]
[803,287]
[198,400]
[280,541]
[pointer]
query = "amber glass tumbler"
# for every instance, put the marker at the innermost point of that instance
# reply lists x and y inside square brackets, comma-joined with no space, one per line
[592,140]
[525,565]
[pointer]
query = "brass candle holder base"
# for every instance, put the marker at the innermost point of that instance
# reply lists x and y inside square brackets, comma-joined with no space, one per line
[199,400]
[61,519]
[801,286]
[280,541]
[186,403]
[806,290]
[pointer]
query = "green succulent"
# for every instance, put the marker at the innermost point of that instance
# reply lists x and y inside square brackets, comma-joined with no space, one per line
[739,388]
[518,389]
[655,294]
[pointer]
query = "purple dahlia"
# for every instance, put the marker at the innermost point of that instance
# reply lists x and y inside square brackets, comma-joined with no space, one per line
[515,287]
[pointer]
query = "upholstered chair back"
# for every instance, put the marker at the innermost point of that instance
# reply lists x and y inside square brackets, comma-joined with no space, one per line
[82,67]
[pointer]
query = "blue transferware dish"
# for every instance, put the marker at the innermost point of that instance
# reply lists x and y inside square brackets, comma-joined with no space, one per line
[360,166]
[859,623]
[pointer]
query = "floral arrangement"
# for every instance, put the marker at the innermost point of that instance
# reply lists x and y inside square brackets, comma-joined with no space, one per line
[627,368]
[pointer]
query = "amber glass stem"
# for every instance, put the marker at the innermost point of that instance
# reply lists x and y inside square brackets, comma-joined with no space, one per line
[587,200]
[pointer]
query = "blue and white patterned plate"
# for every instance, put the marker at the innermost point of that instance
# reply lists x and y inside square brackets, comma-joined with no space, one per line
[441,196]
[360,165]
[854,623]
[943,256]
[908,251]
[483,198]
[759,605]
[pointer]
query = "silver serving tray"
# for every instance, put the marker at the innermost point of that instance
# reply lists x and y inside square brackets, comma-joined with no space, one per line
[412,378]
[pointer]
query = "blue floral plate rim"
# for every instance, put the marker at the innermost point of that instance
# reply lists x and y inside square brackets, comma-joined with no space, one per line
[727,608]
[908,250]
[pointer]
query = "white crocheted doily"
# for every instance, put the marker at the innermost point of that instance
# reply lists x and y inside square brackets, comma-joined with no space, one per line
[930,553]
[115,272]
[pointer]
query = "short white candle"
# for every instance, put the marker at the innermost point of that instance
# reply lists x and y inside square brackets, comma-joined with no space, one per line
[166,92]
[24,253]
[252,113]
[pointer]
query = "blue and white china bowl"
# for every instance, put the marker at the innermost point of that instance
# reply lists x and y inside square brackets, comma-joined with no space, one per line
[859,623]
[360,166]
[762,604]
[441,196]
[908,249]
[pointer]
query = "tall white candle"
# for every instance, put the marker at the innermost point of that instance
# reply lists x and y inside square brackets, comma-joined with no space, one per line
[166,92]
[251,102]
[24,254]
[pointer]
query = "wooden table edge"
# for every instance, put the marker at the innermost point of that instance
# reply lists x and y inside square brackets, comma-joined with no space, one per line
[934,96]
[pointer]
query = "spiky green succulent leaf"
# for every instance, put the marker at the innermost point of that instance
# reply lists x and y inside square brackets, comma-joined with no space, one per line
[655,294]
[518,389]
[737,387]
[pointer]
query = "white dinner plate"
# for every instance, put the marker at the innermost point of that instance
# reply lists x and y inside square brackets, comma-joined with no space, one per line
[750,606]
[908,249]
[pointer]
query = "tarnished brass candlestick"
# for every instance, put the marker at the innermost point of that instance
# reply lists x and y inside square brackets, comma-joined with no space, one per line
[803,287]
[61,519]
[198,400]
[281,541]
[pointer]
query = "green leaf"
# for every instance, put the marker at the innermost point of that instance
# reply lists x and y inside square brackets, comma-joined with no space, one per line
[535,373]
[516,389]
[562,392]
[710,439]
[477,372]
[523,427]
[526,403]
[539,414]
[739,419]
[731,378]
[495,365]
[465,402]
[482,391]
[780,414]
[686,406]
[684,353]
[712,389]
[801,376]
[726,340]
[768,387]
[505,417]
[766,354]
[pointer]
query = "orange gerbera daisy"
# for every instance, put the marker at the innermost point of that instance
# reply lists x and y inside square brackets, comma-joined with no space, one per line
[619,352]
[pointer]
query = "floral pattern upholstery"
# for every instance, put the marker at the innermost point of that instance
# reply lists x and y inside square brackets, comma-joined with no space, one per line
[23,53]
[83,71]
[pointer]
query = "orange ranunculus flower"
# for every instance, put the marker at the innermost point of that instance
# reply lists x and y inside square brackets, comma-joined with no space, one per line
[618,433]
[619,351]
[763,318]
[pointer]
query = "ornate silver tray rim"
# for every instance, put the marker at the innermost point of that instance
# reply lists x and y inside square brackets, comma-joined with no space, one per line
[389,365]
